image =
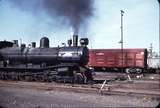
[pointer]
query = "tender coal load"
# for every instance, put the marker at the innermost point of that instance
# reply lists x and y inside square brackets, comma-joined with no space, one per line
[4,44]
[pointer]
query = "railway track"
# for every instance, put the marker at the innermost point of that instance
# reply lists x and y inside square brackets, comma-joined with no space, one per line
[137,76]
[115,88]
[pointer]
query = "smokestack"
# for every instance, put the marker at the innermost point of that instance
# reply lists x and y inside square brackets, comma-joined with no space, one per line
[75,40]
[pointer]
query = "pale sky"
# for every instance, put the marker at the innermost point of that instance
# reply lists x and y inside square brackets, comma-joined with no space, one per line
[141,25]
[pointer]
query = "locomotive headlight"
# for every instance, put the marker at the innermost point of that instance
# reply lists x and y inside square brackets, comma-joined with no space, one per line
[84,41]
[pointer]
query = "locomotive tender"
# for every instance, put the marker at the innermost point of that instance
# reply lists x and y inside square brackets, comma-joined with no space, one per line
[45,62]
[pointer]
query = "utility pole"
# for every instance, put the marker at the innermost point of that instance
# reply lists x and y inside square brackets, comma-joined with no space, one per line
[159,32]
[122,12]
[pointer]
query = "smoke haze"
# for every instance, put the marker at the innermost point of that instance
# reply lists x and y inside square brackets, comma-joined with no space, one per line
[74,13]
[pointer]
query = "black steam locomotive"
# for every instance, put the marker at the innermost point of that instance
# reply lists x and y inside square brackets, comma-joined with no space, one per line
[45,63]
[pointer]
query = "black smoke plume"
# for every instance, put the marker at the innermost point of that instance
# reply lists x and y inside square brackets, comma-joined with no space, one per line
[74,12]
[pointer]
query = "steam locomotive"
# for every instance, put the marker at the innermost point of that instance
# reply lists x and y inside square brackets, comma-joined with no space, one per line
[45,63]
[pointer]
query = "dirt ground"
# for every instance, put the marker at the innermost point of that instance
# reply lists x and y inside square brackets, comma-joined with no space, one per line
[11,97]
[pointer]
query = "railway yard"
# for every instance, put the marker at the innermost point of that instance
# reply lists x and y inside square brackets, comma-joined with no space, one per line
[69,54]
[46,77]
[119,90]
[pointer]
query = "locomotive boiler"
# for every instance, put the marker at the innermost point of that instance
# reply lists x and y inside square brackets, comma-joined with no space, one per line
[52,62]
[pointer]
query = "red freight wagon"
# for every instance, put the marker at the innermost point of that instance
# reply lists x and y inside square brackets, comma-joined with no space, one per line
[112,58]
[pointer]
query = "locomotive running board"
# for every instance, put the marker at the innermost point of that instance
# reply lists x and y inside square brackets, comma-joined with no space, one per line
[20,69]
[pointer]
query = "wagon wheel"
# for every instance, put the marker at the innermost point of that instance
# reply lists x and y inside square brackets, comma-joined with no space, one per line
[21,77]
[2,76]
[27,78]
[78,78]
[40,78]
